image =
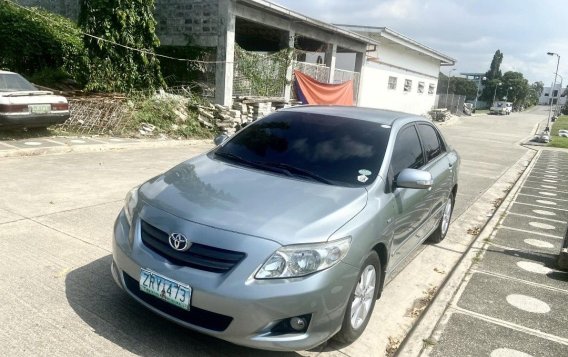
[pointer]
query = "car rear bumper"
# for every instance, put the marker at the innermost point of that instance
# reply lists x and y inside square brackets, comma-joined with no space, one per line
[234,306]
[31,120]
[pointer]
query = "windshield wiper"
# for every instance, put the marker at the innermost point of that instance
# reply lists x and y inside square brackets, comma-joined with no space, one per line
[293,170]
[234,157]
[286,169]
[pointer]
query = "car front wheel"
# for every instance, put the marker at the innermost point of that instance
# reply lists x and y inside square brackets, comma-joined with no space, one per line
[362,300]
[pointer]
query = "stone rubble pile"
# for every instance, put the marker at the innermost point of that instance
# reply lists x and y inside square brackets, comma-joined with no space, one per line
[442,114]
[244,110]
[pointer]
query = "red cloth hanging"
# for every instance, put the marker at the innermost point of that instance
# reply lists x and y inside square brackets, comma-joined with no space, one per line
[315,92]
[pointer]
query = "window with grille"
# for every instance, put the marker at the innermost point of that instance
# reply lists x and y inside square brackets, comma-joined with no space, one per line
[431,88]
[407,85]
[420,87]
[392,82]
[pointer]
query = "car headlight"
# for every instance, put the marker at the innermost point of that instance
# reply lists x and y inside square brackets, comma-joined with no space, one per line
[298,260]
[130,202]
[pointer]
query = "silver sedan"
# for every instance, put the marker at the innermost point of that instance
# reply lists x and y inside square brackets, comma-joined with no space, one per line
[283,235]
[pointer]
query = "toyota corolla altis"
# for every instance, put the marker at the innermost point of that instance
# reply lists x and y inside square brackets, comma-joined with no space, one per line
[282,236]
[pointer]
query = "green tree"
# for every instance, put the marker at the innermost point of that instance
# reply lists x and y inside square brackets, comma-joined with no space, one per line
[36,41]
[493,78]
[458,86]
[128,23]
[538,87]
[495,67]
[515,88]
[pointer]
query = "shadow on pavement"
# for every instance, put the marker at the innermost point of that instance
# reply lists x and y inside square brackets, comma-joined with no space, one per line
[112,314]
[548,260]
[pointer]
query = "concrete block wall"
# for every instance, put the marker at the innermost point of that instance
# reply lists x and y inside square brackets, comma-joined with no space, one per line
[67,8]
[178,21]
[181,21]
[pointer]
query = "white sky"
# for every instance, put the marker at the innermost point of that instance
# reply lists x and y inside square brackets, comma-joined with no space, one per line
[468,30]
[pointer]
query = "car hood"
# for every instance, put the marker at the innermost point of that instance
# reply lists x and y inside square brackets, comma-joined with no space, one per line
[253,202]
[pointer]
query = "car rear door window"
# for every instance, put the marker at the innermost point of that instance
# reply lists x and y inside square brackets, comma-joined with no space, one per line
[431,141]
[407,151]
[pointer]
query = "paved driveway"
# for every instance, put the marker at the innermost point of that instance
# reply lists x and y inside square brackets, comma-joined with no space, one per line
[56,216]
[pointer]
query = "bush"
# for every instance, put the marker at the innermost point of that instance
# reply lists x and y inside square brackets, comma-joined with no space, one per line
[37,40]
[173,116]
[129,23]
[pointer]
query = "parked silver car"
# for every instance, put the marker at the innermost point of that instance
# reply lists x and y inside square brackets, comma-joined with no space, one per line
[283,235]
[23,105]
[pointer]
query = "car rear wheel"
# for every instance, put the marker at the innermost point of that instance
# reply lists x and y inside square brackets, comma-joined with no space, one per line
[440,232]
[362,300]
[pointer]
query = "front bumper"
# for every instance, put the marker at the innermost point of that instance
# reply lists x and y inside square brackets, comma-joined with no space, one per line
[32,120]
[234,306]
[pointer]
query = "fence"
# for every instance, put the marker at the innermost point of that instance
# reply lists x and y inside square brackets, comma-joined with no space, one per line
[108,114]
[322,74]
[454,103]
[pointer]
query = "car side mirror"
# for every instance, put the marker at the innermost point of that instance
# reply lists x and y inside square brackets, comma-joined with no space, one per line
[412,178]
[220,139]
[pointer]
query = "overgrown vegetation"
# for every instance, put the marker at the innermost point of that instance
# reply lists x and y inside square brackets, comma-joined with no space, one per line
[41,45]
[172,116]
[129,23]
[561,123]
[177,72]
[260,74]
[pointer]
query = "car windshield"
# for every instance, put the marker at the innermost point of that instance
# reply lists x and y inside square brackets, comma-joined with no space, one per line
[329,149]
[12,82]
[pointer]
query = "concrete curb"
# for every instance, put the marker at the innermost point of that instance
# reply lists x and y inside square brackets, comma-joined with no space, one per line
[423,329]
[64,148]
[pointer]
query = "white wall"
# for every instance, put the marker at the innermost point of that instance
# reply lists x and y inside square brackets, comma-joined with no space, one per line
[402,63]
[546,95]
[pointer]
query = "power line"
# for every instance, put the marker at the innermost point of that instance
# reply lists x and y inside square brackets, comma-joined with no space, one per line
[119,44]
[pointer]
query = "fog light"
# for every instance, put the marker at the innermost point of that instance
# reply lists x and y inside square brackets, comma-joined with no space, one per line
[298,323]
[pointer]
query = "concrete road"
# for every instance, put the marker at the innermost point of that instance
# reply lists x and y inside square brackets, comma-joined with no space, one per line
[56,216]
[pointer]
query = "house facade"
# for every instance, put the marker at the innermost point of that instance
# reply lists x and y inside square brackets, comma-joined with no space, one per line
[400,74]
[389,70]
[555,95]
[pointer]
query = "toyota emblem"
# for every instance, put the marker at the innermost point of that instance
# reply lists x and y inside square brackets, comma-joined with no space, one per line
[179,242]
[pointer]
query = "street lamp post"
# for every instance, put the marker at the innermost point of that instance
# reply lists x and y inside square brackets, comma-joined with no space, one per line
[547,129]
[495,92]
[448,86]
[557,110]
[477,92]
[507,93]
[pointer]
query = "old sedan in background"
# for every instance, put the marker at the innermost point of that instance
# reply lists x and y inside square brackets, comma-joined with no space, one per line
[23,105]
[283,235]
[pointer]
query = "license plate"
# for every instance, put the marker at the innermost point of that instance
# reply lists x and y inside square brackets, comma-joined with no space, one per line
[40,108]
[169,290]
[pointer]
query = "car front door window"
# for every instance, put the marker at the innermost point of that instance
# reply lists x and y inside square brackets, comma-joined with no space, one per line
[407,151]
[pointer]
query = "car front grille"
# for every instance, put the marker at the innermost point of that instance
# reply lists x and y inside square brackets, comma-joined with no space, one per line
[198,256]
[195,316]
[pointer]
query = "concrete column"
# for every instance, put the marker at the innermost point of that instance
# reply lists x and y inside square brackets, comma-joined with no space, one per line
[225,53]
[330,57]
[360,61]
[289,70]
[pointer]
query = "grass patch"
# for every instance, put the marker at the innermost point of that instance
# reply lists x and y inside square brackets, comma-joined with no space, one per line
[560,124]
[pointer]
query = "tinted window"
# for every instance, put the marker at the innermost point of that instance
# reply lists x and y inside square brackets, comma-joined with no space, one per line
[407,151]
[431,141]
[341,150]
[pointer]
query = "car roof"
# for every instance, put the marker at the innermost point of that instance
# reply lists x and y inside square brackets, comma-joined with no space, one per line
[5,72]
[380,116]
